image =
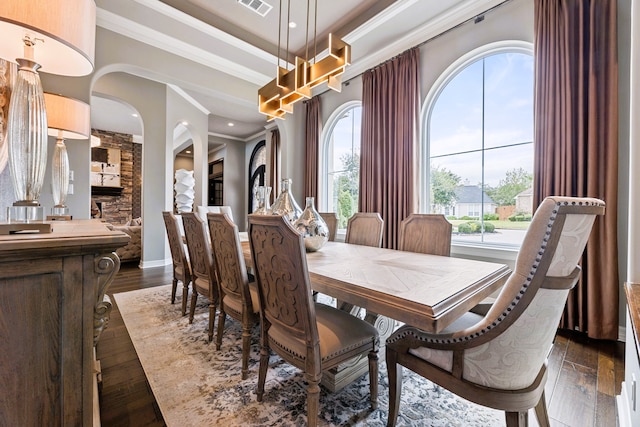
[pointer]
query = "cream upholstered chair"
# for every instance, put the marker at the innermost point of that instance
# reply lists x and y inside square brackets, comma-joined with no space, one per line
[238,297]
[181,267]
[426,234]
[332,222]
[311,336]
[365,228]
[202,266]
[499,360]
[204,210]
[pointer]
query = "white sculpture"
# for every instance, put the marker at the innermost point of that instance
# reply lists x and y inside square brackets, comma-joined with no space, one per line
[184,192]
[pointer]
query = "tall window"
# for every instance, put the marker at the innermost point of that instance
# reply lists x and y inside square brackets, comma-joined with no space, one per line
[479,146]
[257,168]
[341,162]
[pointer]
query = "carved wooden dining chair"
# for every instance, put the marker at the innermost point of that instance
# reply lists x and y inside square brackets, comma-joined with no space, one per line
[499,359]
[202,266]
[365,228]
[181,267]
[332,222]
[311,336]
[238,297]
[426,234]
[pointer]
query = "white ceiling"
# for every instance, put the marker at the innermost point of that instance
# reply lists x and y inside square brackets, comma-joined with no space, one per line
[235,41]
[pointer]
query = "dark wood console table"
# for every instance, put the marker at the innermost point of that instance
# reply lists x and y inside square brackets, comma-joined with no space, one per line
[51,315]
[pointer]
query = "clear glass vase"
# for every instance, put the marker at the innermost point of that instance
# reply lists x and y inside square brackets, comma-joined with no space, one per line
[285,204]
[264,206]
[312,226]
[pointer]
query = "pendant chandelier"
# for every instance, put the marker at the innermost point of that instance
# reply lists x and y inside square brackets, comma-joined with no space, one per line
[276,98]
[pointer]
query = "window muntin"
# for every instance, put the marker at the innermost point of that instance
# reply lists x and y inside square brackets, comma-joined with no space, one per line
[479,135]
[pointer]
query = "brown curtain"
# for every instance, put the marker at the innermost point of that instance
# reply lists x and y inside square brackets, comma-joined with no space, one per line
[576,141]
[274,164]
[312,142]
[390,114]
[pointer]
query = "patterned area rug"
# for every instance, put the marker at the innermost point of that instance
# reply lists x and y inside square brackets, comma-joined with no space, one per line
[196,385]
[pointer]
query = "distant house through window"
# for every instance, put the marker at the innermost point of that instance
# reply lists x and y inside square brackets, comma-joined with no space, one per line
[478,145]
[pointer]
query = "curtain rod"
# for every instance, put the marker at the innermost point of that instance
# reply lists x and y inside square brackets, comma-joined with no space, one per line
[476,19]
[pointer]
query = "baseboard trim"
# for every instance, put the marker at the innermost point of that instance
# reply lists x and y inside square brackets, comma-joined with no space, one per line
[156,263]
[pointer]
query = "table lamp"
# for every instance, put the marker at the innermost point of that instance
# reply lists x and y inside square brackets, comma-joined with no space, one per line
[67,118]
[59,37]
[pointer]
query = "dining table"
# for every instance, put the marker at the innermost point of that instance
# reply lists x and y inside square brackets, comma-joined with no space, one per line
[422,290]
[394,287]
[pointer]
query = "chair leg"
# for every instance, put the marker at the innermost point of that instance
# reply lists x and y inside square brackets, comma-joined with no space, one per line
[185,295]
[541,412]
[246,348]
[517,419]
[192,309]
[394,371]
[222,316]
[313,400]
[174,286]
[373,378]
[262,372]
[212,317]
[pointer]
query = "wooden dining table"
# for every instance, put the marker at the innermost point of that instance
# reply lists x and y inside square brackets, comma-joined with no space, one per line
[426,291]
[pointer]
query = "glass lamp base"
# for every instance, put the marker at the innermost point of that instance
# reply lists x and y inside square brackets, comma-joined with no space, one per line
[25,213]
[59,210]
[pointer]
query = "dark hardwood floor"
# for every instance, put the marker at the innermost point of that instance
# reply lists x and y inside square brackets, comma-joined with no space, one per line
[585,375]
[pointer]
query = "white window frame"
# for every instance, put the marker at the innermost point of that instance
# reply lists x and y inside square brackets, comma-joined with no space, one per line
[323,184]
[475,250]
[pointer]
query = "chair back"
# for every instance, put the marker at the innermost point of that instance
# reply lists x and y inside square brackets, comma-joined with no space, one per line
[204,210]
[425,233]
[200,255]
[178,255]
[229,261]
[287,306]
[527,311]
[332,223]
[365,228]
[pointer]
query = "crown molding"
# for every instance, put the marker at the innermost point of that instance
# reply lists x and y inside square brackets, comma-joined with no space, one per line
[207,29]
[221,135]
[178,90]
[436,26]
[159,40]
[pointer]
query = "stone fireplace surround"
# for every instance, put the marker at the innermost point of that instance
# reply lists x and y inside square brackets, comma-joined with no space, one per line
[119,209]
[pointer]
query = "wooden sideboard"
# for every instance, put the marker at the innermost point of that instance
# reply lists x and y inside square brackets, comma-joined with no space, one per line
[628,403]
[52,312]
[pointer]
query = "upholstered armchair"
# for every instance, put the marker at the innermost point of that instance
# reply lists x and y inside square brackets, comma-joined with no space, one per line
[499,359]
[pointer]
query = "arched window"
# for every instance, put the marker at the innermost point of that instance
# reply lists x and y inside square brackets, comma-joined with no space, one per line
[478,145]
[340,162]
[257,168]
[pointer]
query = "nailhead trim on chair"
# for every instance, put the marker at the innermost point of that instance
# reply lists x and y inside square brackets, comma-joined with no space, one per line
[523,289]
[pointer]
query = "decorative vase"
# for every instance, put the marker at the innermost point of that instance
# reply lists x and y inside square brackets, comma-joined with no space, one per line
[285,204]
[312,227]
[184,190]
[264,206]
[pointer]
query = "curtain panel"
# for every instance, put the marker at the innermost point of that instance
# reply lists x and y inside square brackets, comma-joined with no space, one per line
[390,116]
[274,164]
[313,129]
[576,141]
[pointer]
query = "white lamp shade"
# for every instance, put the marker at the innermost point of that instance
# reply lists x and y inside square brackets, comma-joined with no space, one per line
[68,28]
[67,115]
